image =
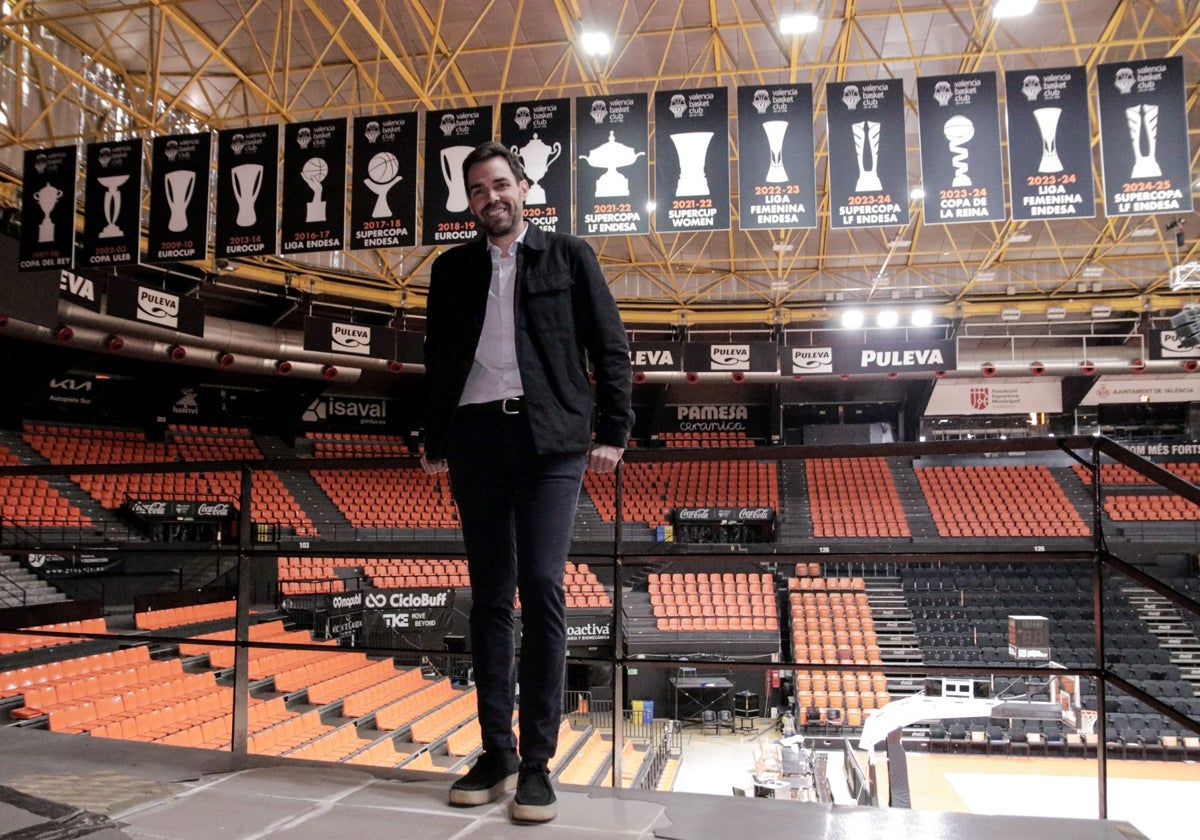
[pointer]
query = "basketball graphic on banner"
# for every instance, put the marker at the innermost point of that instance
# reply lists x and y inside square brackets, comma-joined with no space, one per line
[383,167]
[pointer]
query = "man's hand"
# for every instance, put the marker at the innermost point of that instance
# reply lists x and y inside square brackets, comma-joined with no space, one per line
[602,458]
[435,465]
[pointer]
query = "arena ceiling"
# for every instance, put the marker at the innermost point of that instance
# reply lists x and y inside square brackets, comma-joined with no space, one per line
[88,70]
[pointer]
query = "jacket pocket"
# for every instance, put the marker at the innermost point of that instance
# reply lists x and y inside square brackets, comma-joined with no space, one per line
[548,303]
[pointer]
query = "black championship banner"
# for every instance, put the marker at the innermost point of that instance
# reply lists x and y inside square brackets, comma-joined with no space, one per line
[691,160]
[655,355]
[1050,145]
[81,288]
[1144,137]
[449,138]
[179,313]
[612,174]
[112,204]
[961,167]
[322,335]
[314,187]
[868,154]
[777,185]
[177,227]
[758,357]
[48,209]
[247,176]
[539,133]
[894,357]
[383,187]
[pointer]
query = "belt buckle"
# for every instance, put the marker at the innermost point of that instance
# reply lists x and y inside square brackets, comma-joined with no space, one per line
[516,405]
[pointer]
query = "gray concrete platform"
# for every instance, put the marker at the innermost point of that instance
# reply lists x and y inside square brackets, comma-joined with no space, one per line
[63,786]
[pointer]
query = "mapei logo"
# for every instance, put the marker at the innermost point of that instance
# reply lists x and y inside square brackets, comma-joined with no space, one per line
[729,356]
[981,398]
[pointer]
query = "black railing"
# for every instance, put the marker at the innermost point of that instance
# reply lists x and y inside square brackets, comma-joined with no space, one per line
[625,559]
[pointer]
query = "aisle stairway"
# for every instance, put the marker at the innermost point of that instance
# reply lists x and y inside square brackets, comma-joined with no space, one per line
[20,587]
[1172,632]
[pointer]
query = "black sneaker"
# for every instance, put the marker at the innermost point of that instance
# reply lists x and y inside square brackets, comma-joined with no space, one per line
[535,800]
[493,775]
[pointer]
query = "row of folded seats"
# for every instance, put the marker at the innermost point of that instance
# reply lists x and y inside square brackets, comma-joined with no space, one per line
[1127,737]
[713,601]
[20,642]
[832,622]
[178,616]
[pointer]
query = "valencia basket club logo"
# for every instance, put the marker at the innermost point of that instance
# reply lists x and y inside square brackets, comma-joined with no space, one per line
[981,398]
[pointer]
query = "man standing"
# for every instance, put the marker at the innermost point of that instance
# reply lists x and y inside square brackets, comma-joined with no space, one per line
[515,317]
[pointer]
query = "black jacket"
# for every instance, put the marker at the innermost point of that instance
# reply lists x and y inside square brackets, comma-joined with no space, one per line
[565,318]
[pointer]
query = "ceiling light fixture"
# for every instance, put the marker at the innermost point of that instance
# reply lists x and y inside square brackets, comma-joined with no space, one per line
[1010,313]
[1012,8]
[887,319]
[798,24]
[916,193]
[921,317]
[852,319]
[595,43]
[1019,237]
[1055,313]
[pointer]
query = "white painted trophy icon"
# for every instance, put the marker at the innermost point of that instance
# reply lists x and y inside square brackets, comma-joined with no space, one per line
[536,158]
[610,157]
[775,129]
[382,174]
[247,181]
[1047,123]
[1143,123]
[452,174]
[46,198]
[179,185]
[314,172]
[958,131]
[866,155]
[692,147]
[112,204]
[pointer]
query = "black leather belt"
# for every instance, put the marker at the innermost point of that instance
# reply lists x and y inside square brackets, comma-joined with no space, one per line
[508,405]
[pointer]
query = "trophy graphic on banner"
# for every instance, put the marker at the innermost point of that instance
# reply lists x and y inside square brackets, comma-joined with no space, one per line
[452,174]
[1143,122]
[958,131]
[692,147]
[247,181]
[1047,123]
[46,198]
[179,185]
[610,157]
[313,172]
[383,173]
[866,155]
[112,204]
[775,129]
[536,158]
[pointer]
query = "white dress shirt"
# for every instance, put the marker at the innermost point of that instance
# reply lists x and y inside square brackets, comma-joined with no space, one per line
[494,374]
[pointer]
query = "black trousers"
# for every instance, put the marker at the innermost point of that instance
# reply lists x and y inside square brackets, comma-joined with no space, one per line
[517,509]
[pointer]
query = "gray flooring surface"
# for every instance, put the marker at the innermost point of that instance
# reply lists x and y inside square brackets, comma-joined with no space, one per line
[65,787]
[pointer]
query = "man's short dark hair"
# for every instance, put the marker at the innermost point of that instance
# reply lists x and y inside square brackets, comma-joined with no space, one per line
[488,150]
